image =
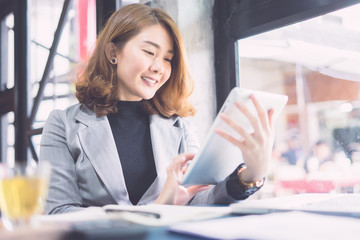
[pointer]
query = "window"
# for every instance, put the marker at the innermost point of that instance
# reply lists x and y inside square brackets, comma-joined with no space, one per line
[7,82]
[77,38]
[75,43]
[317,64]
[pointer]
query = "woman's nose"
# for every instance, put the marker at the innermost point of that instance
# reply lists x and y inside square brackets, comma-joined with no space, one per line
[157,66]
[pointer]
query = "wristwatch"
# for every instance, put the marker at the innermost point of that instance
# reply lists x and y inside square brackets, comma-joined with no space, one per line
[249,187]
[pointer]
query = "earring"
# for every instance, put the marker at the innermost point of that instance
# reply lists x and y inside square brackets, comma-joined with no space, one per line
[113,60]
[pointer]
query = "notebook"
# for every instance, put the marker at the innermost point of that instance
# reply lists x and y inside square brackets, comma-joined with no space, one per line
[340,204]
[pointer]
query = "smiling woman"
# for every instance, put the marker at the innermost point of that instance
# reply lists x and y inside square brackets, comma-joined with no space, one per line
[120,50]
[128,140]
[143,63]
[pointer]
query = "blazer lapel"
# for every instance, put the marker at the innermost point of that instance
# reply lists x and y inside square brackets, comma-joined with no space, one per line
[98,143]
[166,139]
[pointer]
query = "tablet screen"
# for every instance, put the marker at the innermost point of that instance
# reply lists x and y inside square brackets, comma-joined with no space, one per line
[217,157]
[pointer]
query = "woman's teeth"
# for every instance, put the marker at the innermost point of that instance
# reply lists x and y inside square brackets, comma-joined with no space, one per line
[148,80]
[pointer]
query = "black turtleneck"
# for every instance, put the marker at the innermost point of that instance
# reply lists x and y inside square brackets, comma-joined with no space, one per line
[131,129]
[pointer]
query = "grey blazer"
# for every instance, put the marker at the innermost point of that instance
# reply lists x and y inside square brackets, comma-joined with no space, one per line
[86,169]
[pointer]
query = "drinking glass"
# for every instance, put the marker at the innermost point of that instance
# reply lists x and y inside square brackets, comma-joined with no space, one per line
[23,189]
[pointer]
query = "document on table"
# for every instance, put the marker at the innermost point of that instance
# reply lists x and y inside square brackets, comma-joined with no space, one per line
[163,215]
[274,226]
[150,215]
[341,204]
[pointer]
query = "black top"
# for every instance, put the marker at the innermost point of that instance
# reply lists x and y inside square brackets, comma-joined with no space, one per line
[131,129]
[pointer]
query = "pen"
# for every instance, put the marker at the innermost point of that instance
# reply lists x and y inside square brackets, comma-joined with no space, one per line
[143,213]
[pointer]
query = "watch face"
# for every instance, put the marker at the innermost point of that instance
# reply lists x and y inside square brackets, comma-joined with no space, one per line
[251,191]
[259,183]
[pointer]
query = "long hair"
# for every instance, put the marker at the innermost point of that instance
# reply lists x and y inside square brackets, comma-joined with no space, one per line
[97,85]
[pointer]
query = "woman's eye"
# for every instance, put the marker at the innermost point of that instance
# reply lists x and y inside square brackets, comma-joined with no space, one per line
[168,60]
[149,53]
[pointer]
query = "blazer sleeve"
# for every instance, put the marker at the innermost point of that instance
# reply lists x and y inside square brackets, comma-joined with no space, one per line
[63,193]
[217,194]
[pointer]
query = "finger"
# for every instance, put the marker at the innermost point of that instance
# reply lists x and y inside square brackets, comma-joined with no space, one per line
[239,129]
[262,113]
[254,119]
[271,118]
[193,190]
[183,158]
[184,169]
[187,156]
[179,162]
[237,142]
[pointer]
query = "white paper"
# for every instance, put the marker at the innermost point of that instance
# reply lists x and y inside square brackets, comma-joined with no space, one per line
[316,202]
[275,226]
[87,214]
[169,214]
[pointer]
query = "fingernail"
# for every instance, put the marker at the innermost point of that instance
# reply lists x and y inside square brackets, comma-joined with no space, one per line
[239,105]
[223,116]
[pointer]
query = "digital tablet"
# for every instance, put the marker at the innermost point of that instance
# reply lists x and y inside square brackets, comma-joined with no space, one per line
[217,157]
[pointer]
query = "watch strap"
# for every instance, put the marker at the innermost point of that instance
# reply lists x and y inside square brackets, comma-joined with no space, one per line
[236,189]
[258,183]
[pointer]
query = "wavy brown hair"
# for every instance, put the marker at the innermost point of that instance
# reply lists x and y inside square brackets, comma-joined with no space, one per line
[97,85]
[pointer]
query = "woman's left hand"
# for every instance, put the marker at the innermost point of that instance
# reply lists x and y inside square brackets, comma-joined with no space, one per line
[256,147]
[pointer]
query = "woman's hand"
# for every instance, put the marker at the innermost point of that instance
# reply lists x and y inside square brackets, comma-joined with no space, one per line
[173,192]
[256,147]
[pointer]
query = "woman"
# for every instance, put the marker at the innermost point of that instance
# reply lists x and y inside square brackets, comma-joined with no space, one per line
[128,139]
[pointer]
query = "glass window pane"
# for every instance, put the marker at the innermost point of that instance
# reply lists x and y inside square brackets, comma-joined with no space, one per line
[7,82]
[76,41]
[316,63]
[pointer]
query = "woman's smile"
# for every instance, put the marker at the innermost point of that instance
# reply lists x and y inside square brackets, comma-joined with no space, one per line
[144,63]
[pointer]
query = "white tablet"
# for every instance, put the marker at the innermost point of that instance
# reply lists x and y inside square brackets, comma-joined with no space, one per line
[217,157]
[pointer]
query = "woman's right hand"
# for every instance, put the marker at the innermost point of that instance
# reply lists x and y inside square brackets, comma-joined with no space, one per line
[256,147]
[173,192]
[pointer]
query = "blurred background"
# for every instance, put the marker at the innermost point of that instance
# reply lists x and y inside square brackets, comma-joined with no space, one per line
[308,50]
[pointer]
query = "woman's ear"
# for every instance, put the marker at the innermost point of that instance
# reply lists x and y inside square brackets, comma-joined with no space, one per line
[110,52]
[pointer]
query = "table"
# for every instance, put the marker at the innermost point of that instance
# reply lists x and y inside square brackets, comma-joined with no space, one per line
[63,233]
[280,225]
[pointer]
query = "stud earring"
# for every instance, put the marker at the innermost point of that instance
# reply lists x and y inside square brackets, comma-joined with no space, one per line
[113,60]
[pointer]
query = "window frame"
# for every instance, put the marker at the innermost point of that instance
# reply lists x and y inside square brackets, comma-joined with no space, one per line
[235,19]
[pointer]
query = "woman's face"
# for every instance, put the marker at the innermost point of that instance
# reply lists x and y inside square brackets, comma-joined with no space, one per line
[144,63]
